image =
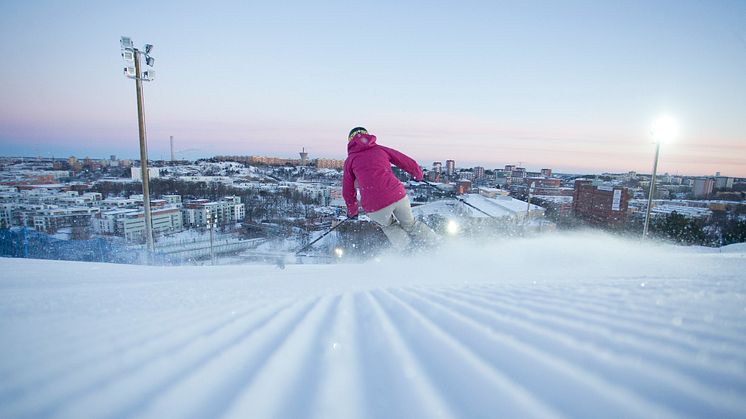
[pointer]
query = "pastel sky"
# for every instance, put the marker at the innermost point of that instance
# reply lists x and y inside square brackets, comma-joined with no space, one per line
[571,85]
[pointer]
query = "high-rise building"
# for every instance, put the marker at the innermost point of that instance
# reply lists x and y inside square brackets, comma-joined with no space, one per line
[703,187]
[478,172]
[724,182]
[199,212]
[437,167]
[600,205]
[450,167]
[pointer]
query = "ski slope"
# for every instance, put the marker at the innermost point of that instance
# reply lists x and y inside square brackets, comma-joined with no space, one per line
[557,326]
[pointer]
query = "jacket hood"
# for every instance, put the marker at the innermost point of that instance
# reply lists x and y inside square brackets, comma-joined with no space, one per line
[361,142]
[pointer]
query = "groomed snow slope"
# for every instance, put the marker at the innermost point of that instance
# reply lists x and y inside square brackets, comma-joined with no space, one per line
[558,326]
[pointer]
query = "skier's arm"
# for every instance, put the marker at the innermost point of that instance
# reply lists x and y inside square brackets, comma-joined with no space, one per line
[348,190]
[404,162]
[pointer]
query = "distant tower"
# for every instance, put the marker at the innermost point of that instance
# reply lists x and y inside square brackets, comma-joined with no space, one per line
[172,149]
[303,157]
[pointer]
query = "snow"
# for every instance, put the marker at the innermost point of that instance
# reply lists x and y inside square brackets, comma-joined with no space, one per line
[557,199]
[577,325]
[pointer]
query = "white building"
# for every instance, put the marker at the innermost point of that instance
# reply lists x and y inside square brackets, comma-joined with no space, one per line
[51,219]
[197,213]
[174,200]
[106,222]
[723,182]
[130,223]
[165,220]
[153,173]
[6,215]
[113,203]
[703,187]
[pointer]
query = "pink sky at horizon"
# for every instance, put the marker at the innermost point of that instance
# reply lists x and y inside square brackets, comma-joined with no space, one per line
[469,147]
[573,86]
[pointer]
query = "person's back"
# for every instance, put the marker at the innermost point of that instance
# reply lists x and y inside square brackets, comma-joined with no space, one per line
[370,165]
[382,195]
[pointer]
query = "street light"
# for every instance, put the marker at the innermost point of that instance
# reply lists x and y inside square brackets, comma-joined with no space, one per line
[131,56]
[664,129]
[211,220]
[528,205]
[453,227]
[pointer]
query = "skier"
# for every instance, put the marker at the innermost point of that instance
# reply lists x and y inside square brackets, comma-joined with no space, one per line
[381,194]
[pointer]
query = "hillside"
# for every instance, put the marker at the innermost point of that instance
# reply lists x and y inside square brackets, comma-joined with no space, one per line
[574,326]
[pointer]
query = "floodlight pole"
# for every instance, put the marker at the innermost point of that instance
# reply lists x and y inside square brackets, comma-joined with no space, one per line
[528,206]
[652,190]
[211,224]
[143,155]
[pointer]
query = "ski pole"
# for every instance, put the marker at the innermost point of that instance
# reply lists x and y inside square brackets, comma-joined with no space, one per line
[461,200]
[323,235]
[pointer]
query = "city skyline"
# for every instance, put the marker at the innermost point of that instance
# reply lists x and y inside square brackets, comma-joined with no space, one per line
[573,87]
[427,166]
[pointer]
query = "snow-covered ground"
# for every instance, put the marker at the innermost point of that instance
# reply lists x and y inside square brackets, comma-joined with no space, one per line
[575,326]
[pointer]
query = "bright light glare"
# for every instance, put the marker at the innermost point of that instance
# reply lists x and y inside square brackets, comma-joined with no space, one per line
[452,227]
[339,252]
[664,129]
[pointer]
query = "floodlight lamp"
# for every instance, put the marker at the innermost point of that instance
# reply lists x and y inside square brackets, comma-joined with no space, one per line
[149,61]
[130,72]
[148,48]
[148,75]
[339,252]
[128,55]
[664,129]
[126,43]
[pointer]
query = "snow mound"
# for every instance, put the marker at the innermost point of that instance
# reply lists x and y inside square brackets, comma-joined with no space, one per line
[580,325]
[734,248]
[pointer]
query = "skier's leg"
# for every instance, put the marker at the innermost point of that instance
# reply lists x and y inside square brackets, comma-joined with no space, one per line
[393,230]
[415,228]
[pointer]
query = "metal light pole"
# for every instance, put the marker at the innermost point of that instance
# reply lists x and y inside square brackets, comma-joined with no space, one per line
[663,130]
[25,240]
[132,55]
[528,206]
[211,224]
[651,191]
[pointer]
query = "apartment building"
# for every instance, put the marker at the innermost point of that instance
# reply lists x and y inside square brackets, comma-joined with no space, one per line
[601,204]
[197,213]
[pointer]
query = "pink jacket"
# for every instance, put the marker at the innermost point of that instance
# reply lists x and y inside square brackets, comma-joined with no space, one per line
[370,165]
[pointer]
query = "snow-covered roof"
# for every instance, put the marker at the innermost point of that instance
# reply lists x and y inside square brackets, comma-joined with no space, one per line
[558,199]
[445,207]
[692,212]
[499,204]
[499,207]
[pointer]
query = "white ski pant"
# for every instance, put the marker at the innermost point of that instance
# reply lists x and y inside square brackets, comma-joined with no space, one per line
[399,225]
